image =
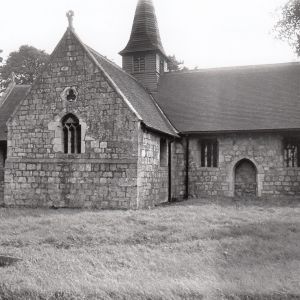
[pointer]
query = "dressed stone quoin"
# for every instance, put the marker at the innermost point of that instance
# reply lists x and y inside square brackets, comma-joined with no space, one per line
[90,134]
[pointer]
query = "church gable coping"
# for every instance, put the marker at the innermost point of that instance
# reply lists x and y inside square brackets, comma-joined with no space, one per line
[138,100]
[71,66]
[64,47]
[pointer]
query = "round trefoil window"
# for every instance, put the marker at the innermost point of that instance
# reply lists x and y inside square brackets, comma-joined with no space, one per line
[69,94]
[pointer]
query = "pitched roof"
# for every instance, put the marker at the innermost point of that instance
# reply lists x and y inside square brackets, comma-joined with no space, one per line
[265,97]
[145,33]
[135,93]
[132,92]
[9,103]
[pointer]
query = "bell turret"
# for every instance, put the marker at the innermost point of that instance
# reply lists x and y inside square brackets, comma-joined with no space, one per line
[144,56]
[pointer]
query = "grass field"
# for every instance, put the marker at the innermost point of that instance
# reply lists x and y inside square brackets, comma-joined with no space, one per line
[191,250]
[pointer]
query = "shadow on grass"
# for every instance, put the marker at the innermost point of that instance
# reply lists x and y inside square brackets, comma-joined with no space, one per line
[264,297]
[272,232]
[7,294]
[265,231]
[239,202]
[24,295]
[6,261]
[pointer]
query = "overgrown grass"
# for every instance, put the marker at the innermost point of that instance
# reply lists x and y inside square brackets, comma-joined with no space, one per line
[191,250]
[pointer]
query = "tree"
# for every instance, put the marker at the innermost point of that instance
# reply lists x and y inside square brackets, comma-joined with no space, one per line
[26,63]
[175,64]
[288,26]
[1,58]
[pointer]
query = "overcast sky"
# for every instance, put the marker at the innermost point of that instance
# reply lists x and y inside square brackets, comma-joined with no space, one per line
[203,33]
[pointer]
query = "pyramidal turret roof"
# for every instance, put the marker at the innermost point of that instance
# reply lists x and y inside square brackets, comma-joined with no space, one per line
[145,33]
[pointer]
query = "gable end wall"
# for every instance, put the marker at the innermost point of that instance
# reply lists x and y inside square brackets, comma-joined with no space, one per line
[38,174]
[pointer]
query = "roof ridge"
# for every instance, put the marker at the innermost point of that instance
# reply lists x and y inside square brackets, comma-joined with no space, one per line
[236,68]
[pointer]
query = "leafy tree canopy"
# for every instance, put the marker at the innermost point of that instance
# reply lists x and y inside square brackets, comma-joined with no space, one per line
[175,64]
[26,63]
[288,26]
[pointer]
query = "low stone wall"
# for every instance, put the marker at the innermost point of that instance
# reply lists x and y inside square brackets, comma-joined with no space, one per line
[71,183]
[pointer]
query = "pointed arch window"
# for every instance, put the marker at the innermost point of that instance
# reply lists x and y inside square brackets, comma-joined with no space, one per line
[71,134]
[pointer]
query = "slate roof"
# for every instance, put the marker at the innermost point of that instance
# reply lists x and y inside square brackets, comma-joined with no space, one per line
[265,97]
[11,100]
[145,34]
[136,94]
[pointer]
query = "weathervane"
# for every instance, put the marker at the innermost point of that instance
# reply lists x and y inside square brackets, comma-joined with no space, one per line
[70,15]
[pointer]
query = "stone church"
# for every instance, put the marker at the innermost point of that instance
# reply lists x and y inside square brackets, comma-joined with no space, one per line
[90,134]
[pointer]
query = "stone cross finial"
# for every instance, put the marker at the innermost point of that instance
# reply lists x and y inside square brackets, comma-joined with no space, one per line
[70,15]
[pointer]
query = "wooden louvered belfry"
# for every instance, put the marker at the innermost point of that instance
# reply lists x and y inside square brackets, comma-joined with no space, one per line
[144,56]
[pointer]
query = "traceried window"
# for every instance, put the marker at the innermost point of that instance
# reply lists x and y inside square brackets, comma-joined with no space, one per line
[209,153]
[71,134]
[69,94]
[139,63]
[291,152]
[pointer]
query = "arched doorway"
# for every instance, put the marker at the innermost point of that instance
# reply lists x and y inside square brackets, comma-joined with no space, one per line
[245,179]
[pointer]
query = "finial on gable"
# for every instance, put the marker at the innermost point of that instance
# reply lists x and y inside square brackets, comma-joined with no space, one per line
[70,15]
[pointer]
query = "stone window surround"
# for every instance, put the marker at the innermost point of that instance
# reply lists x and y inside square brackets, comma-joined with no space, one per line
[71,134]
[214,141]
[293,160]
[57,127]
[64,94]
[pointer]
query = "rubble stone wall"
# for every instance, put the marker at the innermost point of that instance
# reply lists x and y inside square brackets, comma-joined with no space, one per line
[264,150]
[178,164]
[152,172]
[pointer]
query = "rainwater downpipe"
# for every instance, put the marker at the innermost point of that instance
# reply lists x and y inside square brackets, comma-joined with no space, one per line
[170,170]
[187,167]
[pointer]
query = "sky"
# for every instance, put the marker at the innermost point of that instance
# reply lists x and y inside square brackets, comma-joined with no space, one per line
[202,33]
